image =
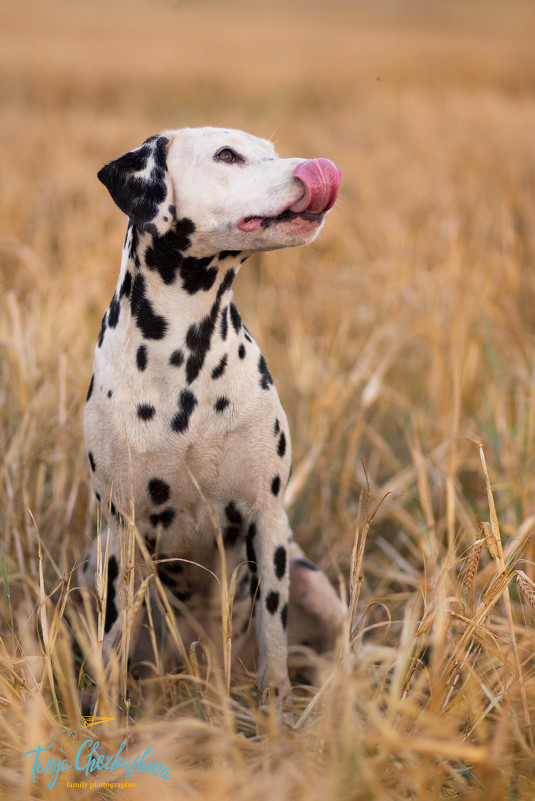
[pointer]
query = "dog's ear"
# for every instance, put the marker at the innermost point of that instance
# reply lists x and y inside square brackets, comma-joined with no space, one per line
[139,183]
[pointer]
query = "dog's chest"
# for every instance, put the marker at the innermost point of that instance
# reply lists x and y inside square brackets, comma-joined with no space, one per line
[169,445]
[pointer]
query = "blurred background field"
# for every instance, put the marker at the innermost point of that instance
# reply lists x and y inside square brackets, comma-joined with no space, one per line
[400,341]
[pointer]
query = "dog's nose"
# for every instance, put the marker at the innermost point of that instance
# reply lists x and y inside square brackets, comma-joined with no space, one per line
[321,179]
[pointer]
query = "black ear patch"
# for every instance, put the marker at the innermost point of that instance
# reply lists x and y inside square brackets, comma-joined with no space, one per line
[138,183]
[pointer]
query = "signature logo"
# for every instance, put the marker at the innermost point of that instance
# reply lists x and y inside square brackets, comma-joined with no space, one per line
[88,759]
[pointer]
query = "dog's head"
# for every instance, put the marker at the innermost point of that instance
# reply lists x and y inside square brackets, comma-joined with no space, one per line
[234,188]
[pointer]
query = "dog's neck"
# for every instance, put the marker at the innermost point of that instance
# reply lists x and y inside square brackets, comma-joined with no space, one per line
[180,302]
[186,283]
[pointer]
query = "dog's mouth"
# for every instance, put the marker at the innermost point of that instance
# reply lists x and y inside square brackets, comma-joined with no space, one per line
[287,216]
[320,180]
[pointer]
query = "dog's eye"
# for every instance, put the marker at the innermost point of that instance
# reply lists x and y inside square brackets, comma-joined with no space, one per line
[228,156]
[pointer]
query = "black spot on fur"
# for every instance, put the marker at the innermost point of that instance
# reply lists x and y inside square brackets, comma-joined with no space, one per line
[92,461]
[152,325]
[221,404]
[246,334]
[276,485]
[279,561]
[152,229]
[277,427]
[199,334]
[272,602]
[145,411]
[233,514]
[218,371]
[194,366]
[120,519]
[166,255]
[111,609]
[281,450]
[97,496]
[226,283]
[251,553]
[224,323]
[113,312]
[227,253]
[176,359]
[235,318]
[134,254]
[110,393]
[197,275]
[90,390]
[265,379]
[230,535]
[171,573]
[102,329]
[198,339]
[241,351]
[164,518]
[186,404]
[254,589]
[284,616]
[166,252]
[159,491]
[142,358]
[126,286]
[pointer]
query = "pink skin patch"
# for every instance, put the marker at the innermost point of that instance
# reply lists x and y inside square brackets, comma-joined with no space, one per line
[321,181]
[250,223]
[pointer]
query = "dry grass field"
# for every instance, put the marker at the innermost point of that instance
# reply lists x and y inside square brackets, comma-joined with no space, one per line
[402,343]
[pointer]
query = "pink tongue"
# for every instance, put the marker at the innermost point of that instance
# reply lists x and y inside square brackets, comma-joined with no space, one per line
[321,179]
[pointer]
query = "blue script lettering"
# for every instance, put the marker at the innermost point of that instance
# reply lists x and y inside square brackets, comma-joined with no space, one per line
[52,766]
[87,768]
[140,765]
[87,760]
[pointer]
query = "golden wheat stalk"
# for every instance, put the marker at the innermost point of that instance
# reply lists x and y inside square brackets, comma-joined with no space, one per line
[489,538]
[470,570]
[527,588]
[496,539]
[364,520]
[44,625]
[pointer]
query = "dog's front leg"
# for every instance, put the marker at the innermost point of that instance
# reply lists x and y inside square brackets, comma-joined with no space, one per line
[267,552]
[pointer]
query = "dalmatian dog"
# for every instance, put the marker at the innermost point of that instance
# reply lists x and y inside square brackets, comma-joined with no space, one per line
[185,433]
